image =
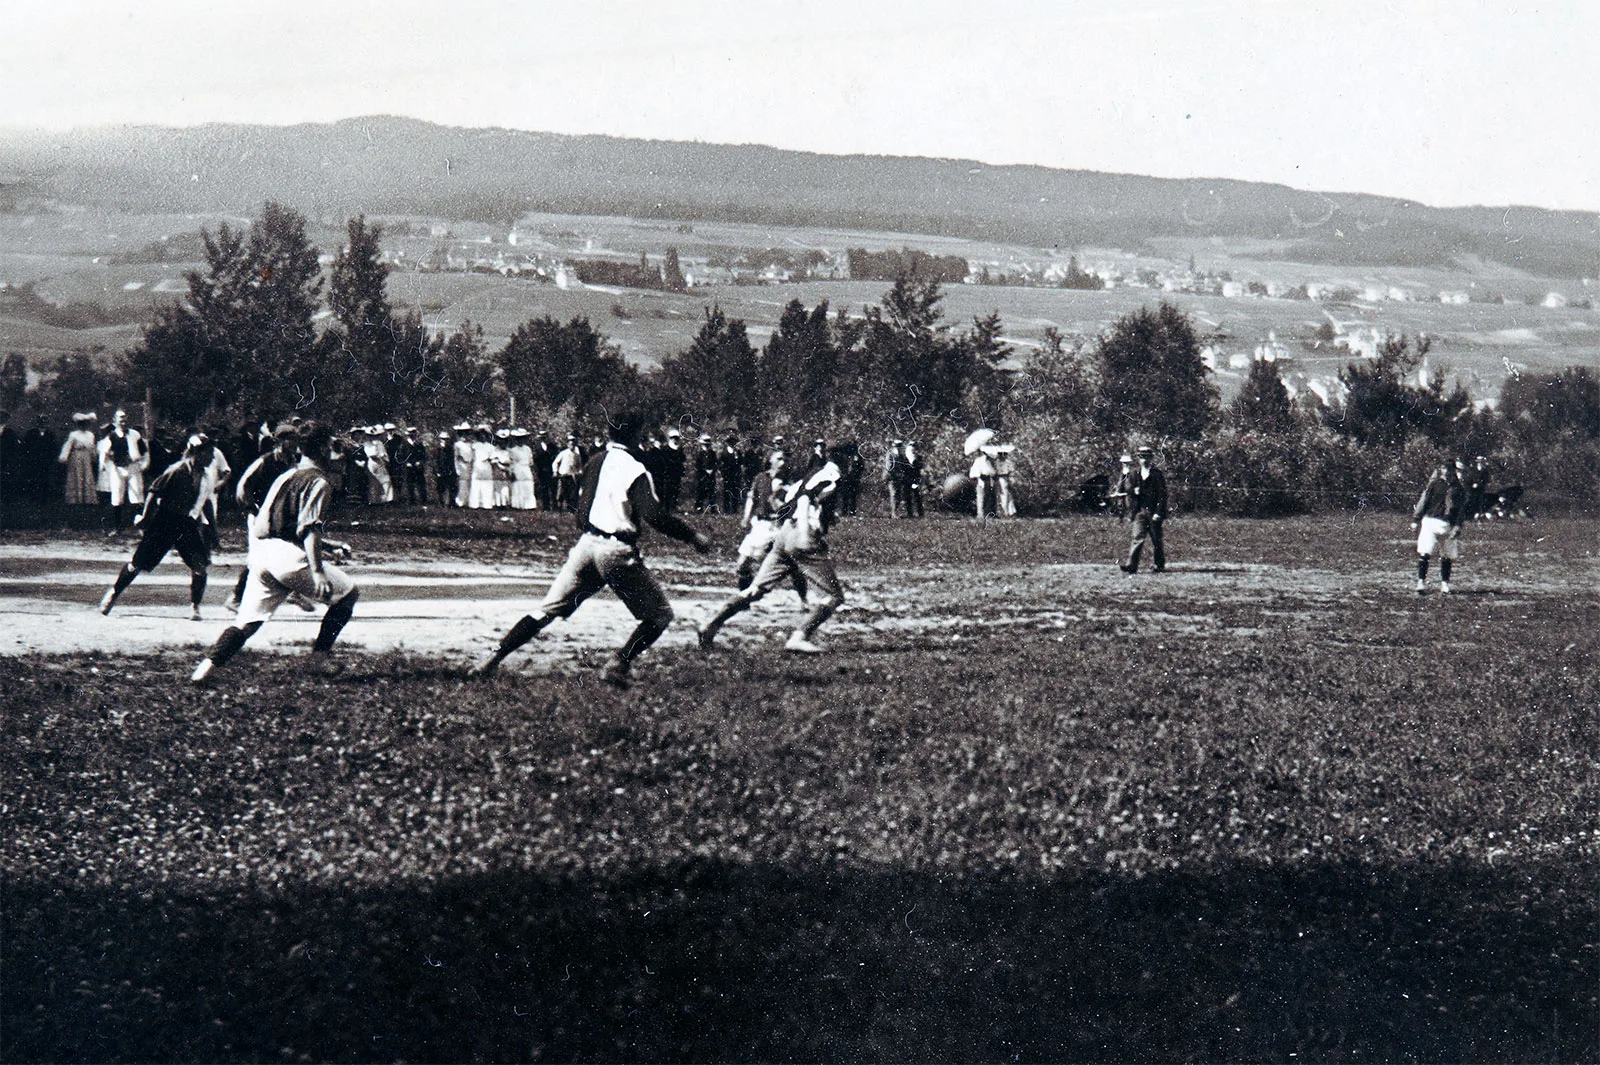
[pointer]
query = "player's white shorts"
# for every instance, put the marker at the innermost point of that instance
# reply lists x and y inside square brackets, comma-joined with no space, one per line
[758,541]
[277,568]
[1438,537]
[125,483]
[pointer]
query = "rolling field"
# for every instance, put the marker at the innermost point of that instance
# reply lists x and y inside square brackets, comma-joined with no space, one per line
[1270,805]
[72,257]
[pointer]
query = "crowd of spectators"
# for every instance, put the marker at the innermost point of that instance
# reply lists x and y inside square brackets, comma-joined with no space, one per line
[92,476]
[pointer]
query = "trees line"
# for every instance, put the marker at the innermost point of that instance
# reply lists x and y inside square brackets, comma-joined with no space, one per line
[245,342]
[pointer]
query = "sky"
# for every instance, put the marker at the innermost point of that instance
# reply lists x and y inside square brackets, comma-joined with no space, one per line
[1448,102]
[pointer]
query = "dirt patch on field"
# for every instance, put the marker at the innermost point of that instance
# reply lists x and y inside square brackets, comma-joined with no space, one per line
[456,608]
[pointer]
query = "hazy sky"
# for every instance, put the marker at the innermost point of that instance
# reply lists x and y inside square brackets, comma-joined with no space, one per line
[1445,101]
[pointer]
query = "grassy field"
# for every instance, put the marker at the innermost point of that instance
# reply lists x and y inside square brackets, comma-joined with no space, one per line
[1269,806]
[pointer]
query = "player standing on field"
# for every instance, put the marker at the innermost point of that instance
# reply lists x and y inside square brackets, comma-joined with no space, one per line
[171,518]
[286,556]
[616,500]
[1438,516]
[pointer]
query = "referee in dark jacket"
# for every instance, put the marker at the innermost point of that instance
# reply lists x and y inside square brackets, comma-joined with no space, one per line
[1147,505]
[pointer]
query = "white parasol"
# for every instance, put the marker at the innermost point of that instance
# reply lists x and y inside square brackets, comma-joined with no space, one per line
[976,440]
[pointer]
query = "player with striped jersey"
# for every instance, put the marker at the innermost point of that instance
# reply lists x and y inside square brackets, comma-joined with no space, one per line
[286,556]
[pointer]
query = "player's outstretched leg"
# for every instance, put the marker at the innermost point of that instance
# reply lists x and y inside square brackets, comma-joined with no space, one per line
[113,593]
[334,621]
[708,631]
[227,645]
[830,597]
[523,631]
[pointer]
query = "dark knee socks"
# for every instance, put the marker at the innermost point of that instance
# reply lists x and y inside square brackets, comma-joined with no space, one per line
[334,621]
[197,588]
[124,579]
[521,633]
[238,588]
[230,641]
[1422,567]
[644,634]
[1444,569]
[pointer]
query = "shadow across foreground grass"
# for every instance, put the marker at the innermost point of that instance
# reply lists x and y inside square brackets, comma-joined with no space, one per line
[718,961]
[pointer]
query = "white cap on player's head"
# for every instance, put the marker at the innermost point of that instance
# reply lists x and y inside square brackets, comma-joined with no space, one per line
[1126,460]
[285,431]
[195,442]
[464,427]
[502,433]
[389,427]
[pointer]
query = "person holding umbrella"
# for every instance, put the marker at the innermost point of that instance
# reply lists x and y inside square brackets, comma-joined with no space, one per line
[979,445]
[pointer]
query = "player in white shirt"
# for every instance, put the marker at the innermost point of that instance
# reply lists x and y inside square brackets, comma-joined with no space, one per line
[616,500]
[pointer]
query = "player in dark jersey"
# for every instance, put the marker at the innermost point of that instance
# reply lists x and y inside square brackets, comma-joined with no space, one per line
[171,519]
[286,556]
[616,500]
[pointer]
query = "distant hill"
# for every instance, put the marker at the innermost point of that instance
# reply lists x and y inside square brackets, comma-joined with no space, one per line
[385,165]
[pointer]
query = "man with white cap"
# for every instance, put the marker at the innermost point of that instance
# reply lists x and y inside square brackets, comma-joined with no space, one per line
[705,475]
[567,465]
[800,550]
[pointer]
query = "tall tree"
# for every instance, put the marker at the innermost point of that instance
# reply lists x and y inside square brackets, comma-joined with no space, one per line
[714,378]
[1056,382]
[1151,377]
[1263,404]
[798,370]
[285,290]
[1383,407]
[243,339]
[548,364]
[371,361]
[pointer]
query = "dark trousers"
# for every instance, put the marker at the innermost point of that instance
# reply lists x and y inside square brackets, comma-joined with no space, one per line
[1146,527]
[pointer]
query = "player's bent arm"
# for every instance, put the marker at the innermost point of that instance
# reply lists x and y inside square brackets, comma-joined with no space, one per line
[313,546]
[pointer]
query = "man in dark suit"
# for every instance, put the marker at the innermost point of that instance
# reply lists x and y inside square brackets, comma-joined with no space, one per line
[1147,505]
